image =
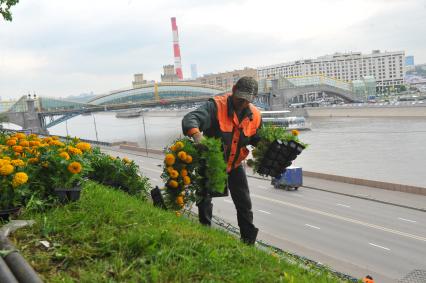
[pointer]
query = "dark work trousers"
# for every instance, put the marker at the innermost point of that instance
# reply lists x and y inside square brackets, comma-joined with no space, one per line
[238,186]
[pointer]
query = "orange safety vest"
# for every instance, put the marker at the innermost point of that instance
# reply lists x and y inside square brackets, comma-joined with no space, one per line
[367,280]
[235,134]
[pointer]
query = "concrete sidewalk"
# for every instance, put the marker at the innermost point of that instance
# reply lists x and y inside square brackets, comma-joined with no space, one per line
[402,199]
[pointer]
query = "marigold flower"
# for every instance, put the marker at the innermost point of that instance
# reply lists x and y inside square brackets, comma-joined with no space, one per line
[174,174]
[173,184]
[182,155]
[74,167]
[24,143]
[11,142]
[74,150]
[170,159]
[64,155]
[47,140]
[84,146]
[295,132]
[32,160]
[17,148]
[169,169]
[179,145]
[126,160]
[178,213]
[4,161]
[6,158]
[6,170]
[180,201]
[20,178]
[184,172]
[188,159]
[172,148]
[55,137]
[186,180]
[17,162]
[20,136]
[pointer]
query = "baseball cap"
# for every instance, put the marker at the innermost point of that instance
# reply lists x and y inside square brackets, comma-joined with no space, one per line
[246,88]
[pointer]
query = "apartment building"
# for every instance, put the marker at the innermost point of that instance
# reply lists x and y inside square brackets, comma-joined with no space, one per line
[227,79]
[386,67]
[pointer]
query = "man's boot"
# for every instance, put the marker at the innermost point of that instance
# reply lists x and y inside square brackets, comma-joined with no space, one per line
[248,236]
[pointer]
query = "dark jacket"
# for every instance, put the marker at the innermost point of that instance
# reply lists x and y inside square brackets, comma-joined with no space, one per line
[241,133]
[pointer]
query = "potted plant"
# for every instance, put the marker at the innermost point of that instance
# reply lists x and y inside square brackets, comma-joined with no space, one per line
[275,151]
[13,188]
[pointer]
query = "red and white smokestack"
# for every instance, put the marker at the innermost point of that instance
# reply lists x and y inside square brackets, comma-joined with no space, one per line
[176,50]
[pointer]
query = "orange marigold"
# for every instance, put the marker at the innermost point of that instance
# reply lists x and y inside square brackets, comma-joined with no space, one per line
[74,167]
[173,184]
[184,172]
[17,148]
[186,180]
[24,143]
[188,159]
[170,159]
[6,170]
[179,145]
[180,201]
[64,155]
[295,132]
[17,162]
[32,160]
[174,174]
[20,178]
[11,142]
[20,135]
[84,146]
[182,155]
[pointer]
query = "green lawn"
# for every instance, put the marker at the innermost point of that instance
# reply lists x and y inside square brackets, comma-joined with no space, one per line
[109,236]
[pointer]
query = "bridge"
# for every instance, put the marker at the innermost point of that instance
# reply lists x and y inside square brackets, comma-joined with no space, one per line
[277,94]
[40,113]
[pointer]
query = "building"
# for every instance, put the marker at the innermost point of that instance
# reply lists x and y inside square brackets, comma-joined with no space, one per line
[5,105]
[387,68]
[194,73]
[409,63]
[138,81]
[169,74]
[227,79]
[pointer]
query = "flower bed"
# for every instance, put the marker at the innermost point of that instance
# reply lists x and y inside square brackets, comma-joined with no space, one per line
[275,151]
[190,171]
[36,171]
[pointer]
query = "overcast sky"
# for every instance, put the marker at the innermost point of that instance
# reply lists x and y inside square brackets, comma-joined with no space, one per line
[63,47]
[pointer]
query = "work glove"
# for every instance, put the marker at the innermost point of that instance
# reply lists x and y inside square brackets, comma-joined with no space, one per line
[197,138]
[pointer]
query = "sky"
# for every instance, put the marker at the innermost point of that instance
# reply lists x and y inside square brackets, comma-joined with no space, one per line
[59,48]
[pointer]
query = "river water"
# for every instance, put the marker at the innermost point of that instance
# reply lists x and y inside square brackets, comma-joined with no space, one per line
[382,149]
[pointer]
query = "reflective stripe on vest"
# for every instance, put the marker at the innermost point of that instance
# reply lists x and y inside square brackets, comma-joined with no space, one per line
[231,125]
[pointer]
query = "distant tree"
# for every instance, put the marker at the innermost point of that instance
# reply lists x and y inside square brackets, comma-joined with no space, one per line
[5,6]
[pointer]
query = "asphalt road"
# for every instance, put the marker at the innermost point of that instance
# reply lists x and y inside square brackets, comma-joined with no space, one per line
[352,235]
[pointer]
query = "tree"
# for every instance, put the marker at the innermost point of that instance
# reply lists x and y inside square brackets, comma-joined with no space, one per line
[5,6]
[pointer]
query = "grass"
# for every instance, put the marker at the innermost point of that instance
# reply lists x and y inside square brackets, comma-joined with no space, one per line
[109,236]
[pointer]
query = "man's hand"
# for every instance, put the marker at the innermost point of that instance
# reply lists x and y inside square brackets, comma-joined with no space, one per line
[197,138]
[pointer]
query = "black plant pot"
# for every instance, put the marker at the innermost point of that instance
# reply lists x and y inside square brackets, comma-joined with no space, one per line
[157,198]
[6,213]
[68,195]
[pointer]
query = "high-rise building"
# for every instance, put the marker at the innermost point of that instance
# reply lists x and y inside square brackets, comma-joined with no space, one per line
[227,79]
[387,68]
[194,73]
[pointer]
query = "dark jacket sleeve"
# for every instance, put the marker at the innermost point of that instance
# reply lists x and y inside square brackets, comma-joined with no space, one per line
[256,138]
[200,118]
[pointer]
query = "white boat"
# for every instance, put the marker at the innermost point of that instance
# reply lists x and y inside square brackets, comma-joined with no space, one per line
[281,118]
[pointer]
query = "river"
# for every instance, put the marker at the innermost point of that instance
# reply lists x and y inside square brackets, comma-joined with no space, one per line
[382,149]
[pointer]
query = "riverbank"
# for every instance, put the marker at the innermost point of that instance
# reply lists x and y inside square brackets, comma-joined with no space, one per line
[364,111]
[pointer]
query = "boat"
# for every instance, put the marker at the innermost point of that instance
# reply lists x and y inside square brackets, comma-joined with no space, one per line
[282,119]
[129,114]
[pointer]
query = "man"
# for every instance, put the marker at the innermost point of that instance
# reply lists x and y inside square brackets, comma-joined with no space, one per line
[233,119]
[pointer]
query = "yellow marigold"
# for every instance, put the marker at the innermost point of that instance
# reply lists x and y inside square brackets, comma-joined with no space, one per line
[170,169]
[33,136]
[188,159]
[56,142]
[174,174]
[47,140]
[55,138]
[24,143]
[20,136]
[17,148]
[186,180]
[32,160]
[6,158]
[11,142]
[180,201]
[17,162]
[74,150]
[20,178]
[84,146]
[172,148]
[4,162]
[184,172]
[173,184]
[295,132]
[179,145]
[182,155]
[126,160]
[74,167]
[6,169]
[64,155]
[170,159]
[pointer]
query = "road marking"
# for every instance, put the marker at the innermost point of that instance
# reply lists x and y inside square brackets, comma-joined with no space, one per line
[149,169]
[262,187]
[342,218]
[344,205]
[408,220]
[228,201]
[312,226]
[263,211]
[385,248]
